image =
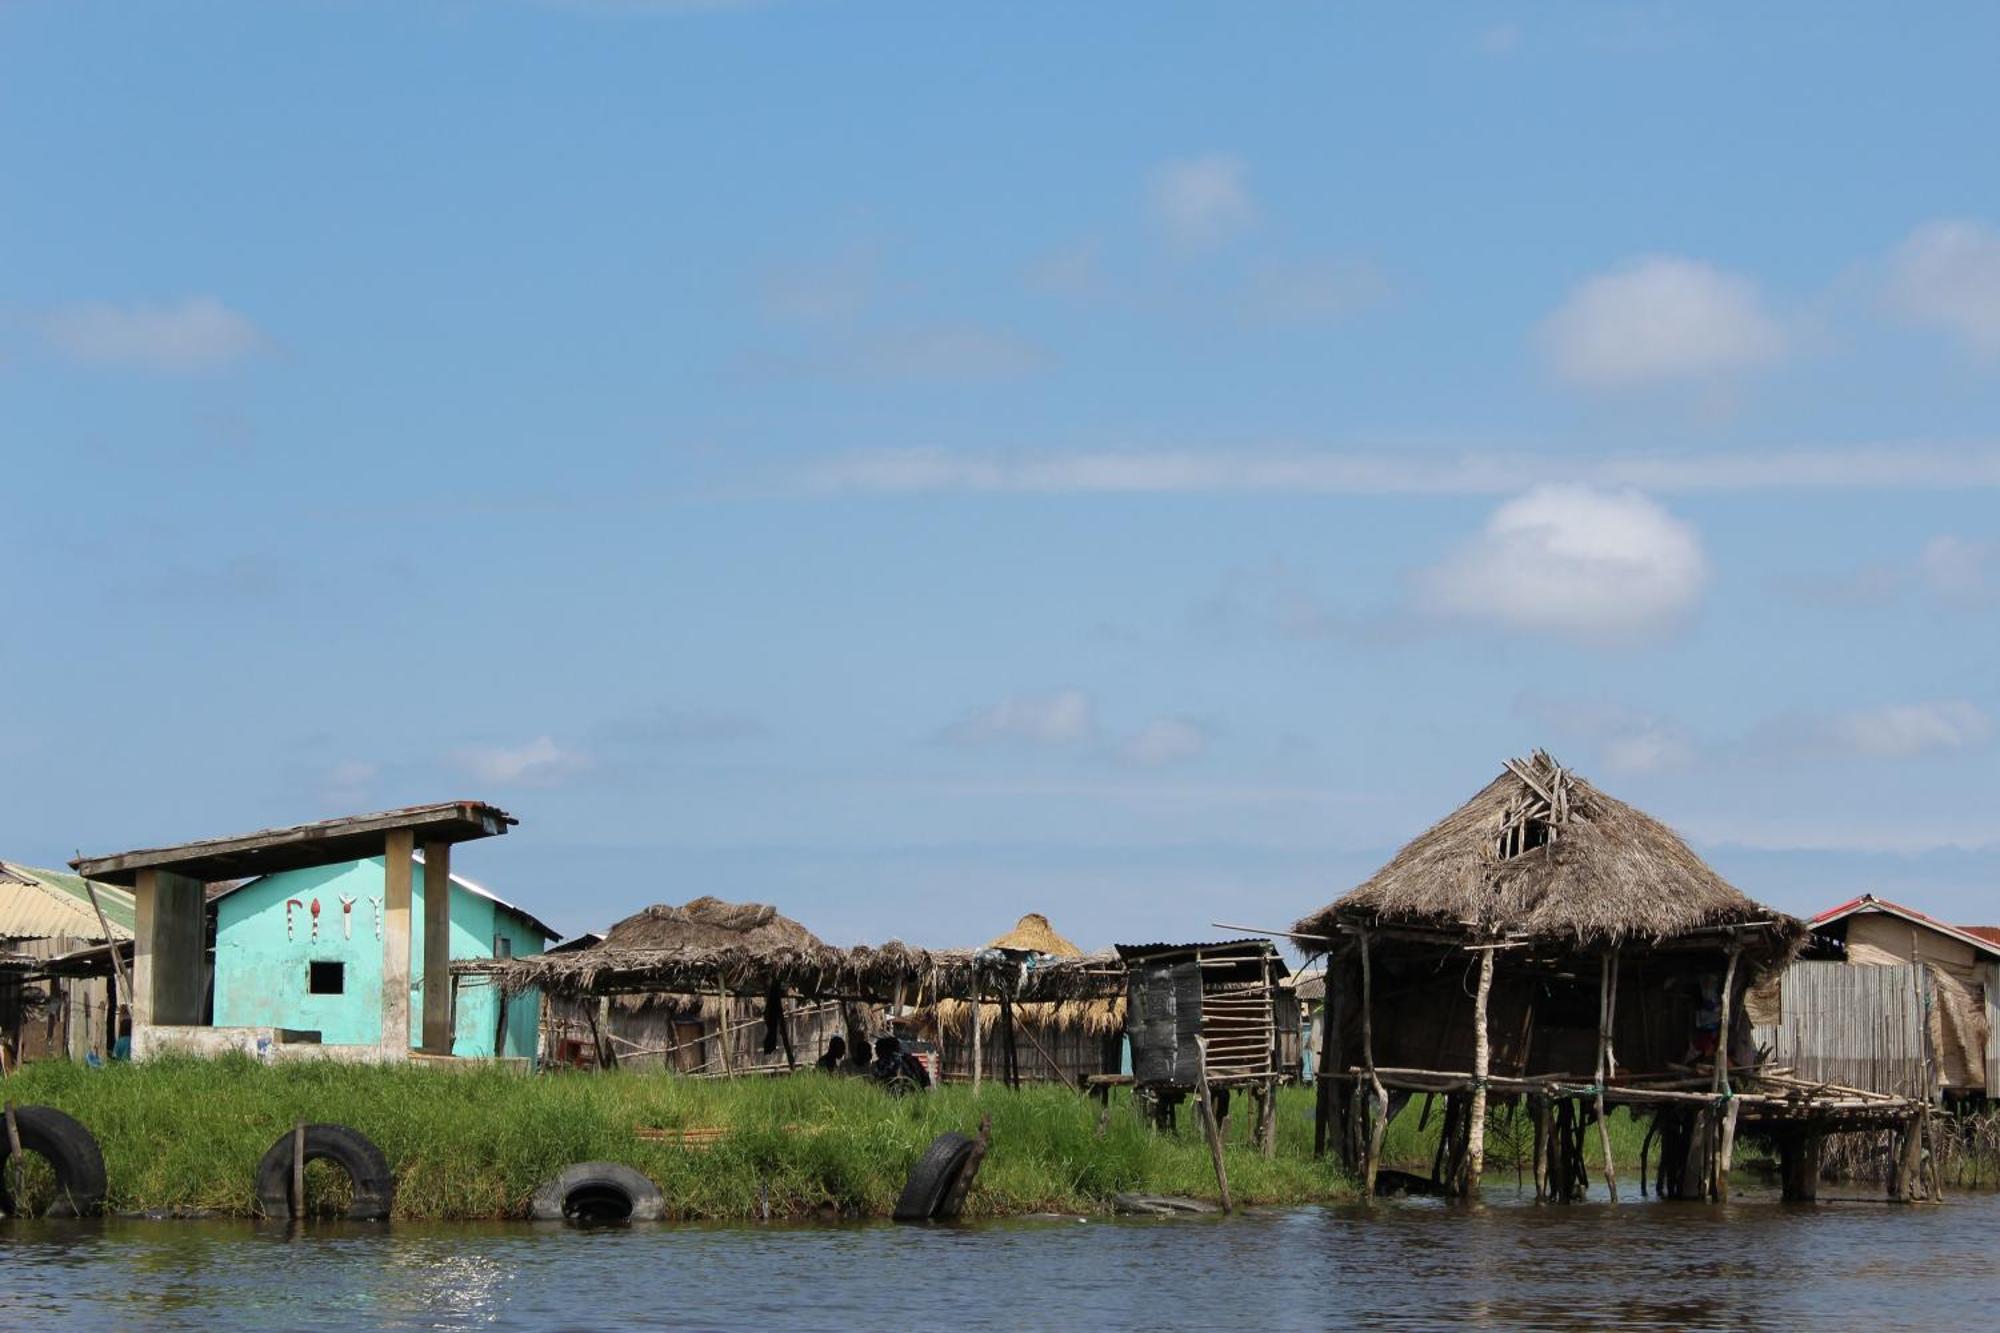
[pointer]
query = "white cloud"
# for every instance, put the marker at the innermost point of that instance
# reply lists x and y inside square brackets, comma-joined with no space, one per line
[1058,719]
[1596,566]
[200,333]
[1164,740]
[1660,318]
[1203,200]
[1960,571]
[1947,275]
[1490,471]
[1903,731]
[538,763]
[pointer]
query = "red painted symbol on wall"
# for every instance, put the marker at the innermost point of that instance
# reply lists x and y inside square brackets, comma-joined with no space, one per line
[346,917]
[315,917]
[290,903]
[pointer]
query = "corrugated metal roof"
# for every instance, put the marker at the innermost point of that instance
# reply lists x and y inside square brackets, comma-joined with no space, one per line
[42,904]
[1868,902]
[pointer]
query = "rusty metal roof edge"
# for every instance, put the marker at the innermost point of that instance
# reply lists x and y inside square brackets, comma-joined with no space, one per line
[487,815]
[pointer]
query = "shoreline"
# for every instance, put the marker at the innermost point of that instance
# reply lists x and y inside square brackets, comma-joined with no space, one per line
[181,1140]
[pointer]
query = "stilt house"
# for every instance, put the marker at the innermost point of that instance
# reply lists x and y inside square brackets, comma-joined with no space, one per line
[1553,949]
[1211,1017]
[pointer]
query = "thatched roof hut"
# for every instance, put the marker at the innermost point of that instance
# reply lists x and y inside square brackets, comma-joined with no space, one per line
[1033,934]
[1591,874]
[1602,948]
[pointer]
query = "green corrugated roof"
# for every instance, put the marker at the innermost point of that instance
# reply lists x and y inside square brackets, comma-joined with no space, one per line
[117,902]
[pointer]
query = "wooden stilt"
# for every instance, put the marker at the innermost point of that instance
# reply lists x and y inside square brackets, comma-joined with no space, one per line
[1910,1172]
[1722,1126]
[1607,987]
[1475,1134]
[1209,1127]
[1538,1111]
[1378,1122]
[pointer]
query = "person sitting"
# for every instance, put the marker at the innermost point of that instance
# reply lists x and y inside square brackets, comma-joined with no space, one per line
[892,1063]
[836,1051]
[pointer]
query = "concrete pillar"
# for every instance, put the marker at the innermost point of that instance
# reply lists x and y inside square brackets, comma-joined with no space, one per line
[437,948]
[168,954]
[398,850]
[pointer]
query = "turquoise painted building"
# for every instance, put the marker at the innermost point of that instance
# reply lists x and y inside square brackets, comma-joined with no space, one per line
[302,949]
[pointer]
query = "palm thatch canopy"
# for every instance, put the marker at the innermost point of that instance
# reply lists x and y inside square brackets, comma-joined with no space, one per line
[750,949]
[1033,934]
[709,923]
[1542,856]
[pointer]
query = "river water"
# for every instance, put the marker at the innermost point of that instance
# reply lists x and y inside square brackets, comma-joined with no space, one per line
[1507,1264]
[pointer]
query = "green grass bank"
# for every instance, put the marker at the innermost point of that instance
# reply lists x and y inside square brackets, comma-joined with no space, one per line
[186,1135]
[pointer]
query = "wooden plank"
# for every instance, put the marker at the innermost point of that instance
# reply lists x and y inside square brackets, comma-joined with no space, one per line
[1209,1128]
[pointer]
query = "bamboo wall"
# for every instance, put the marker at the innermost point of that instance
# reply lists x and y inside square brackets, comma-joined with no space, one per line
[1863,1027]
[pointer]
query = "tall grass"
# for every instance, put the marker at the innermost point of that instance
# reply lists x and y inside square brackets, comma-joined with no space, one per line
[186,1135]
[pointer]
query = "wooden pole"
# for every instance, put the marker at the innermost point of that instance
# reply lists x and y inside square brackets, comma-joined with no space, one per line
[1378,1122]
[298,1169]
[16,1163]
[1910,1174]
[111,943]
[1538,1110]
[1475,1149]
[722,1028]
[1726,1138]
[1607,988]
[1012,1054]
[1209,1127]
[978,1055]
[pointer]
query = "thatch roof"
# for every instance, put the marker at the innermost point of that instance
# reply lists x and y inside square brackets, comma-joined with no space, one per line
[808,969]
[1097,1017]
[1609,873]
[1033,934]
[709,923]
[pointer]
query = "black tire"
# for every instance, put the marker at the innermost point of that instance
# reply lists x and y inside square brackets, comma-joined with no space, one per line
[351,1151]
[932,1177]
[597,1192]
[71,1151]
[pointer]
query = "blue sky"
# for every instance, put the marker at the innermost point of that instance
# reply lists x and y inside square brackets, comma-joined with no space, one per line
[919,466]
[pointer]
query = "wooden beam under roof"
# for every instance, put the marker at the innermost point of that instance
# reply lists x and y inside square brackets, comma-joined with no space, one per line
[327,842]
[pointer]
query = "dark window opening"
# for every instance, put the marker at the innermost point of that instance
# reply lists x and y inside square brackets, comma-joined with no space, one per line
[326,979]
[1523,835]
[502,947]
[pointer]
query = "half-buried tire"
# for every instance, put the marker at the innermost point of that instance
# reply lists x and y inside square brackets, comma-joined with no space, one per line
[932,1177]
[598,1192]
[71,1152]
[350,1150]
